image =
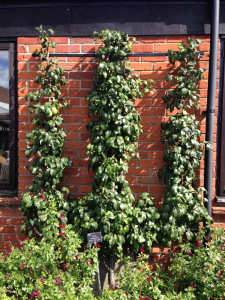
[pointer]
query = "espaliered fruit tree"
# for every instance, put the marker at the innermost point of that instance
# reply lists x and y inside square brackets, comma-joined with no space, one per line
[183,207]
[44,201]
[115,128]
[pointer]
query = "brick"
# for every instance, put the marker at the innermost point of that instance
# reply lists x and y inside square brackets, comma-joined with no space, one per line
[165,47]
[138,171]
[88,67]
[77,110]
[155,137]
[162,66]
[22,144]
[25,179]
[153,58]
[23,118]
[22,170]
[25,127]
[152,128]
[135,59]
[33,48]
[139,188]
[86,84]
[80,180]
[73,102]
[27,40]
[27,57]
[10,213]
[69,66]
[141,66]
[82,40]
[81,75]
[4,245]
[144,137]
[142,48]
[131,180]
[4,221]
[67,48]
[158,120]
[152,111]
[89,48]
[154,75]
[151,163]
[144,155]
[22,66]
[21,135]
[17,221]
[22,49]
[71,118]
[78,93]
[72,171]
[33,66]
[176,38]
[204,47]
[22,84]
[157,155]
[73,84]
[85,137]
[77,145]
[7,229]
[81,59]
[157,189]
[145,120]
[85,189]
[27,75]
[153,39]
[72,136]
[60,39]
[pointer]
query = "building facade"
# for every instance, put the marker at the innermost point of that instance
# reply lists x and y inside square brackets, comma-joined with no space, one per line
[157,26]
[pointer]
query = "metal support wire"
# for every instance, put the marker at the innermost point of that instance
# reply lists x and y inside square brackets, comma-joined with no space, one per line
[96,55]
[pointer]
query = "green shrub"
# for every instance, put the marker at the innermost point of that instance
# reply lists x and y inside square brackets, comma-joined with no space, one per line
[196,272]
[53,268]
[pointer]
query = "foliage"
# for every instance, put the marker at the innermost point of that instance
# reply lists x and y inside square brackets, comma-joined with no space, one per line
[115,127]
[45,145]
[183,207]
[196,272]
[53,268]
[201,265]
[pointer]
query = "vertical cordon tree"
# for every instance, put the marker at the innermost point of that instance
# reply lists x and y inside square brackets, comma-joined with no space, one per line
[115,128]
[44,202]
[183,207]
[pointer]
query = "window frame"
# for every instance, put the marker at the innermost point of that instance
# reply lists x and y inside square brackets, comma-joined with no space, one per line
[10,188]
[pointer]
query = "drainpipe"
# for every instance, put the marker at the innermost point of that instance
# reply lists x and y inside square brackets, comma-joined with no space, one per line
[211,102]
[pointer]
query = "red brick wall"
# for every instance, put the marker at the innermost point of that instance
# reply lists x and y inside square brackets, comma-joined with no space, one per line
[143,174]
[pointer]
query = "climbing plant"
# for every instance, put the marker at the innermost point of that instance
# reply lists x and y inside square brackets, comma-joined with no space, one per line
[42,204]
[183,205]
[115,128]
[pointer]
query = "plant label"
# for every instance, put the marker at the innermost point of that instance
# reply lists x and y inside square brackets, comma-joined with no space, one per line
[94,237]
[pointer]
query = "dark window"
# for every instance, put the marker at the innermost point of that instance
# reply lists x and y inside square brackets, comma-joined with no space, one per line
[8,153]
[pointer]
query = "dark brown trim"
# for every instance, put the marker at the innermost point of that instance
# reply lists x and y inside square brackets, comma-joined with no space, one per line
[12,185]
[72,18]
